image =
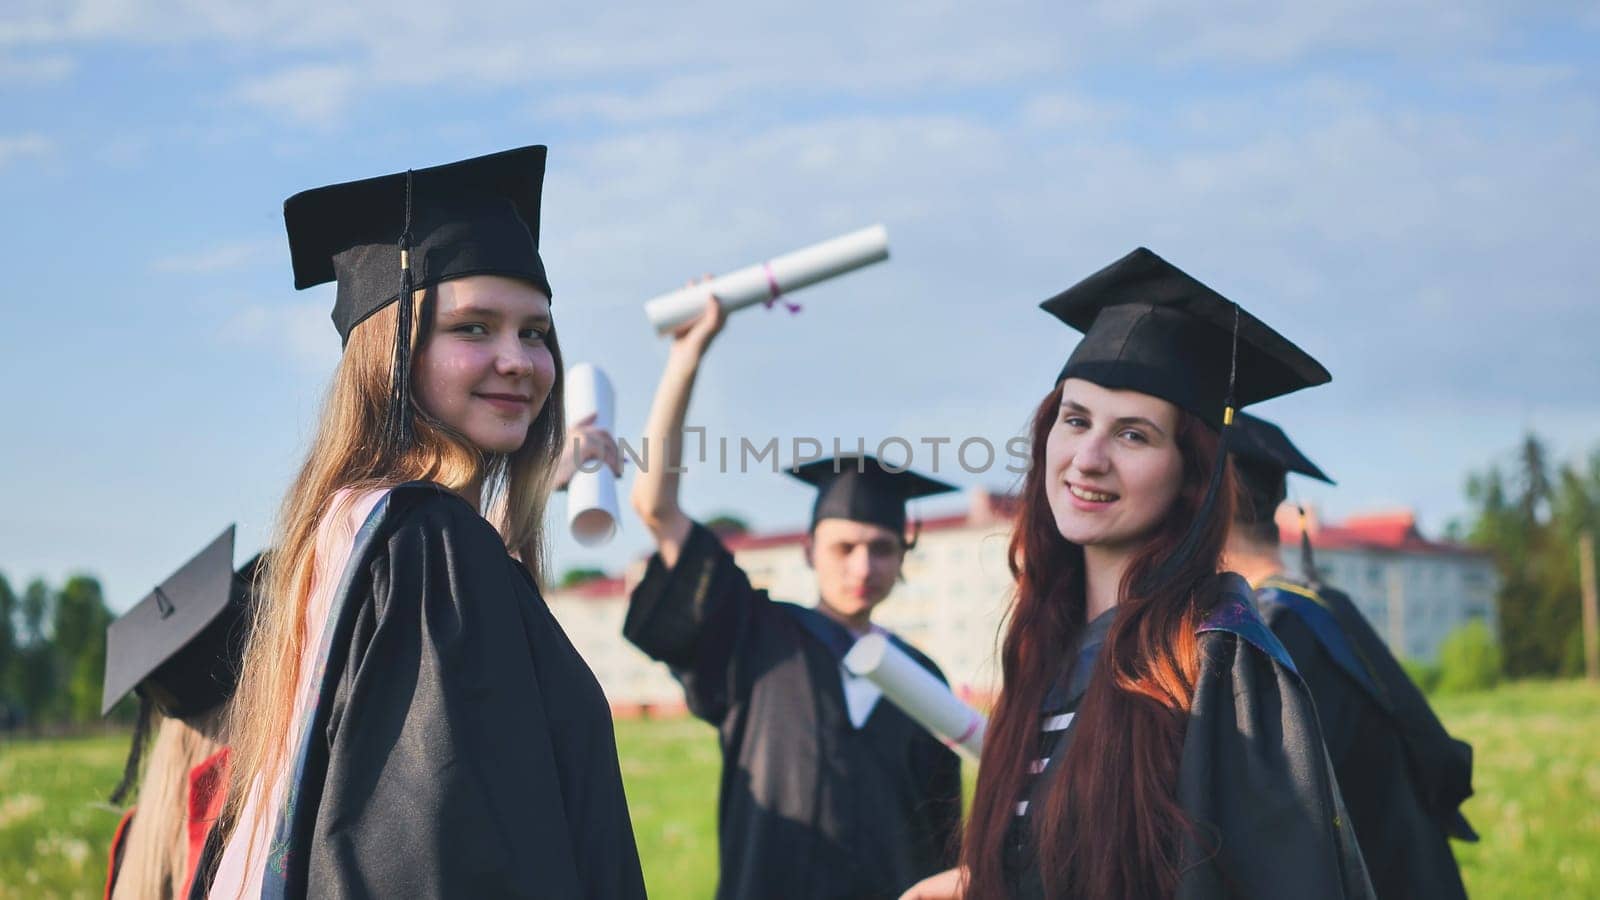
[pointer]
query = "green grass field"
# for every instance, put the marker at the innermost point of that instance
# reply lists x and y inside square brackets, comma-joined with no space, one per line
[1537,807]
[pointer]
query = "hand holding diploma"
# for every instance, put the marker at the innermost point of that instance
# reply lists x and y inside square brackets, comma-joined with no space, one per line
[917,692]
[591,491]
[694,335]
[766,282]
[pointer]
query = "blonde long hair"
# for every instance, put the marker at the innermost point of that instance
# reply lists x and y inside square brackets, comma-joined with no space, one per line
[155,851]
[349,452]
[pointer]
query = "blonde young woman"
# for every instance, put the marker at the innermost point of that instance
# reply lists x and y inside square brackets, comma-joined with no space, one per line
[411,719]
[178,649]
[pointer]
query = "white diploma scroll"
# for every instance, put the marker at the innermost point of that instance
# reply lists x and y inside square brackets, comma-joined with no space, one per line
[917,692]
[766,282]
[591,496]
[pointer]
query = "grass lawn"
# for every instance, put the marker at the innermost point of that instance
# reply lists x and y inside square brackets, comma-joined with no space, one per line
[1537,805]
[1536,773]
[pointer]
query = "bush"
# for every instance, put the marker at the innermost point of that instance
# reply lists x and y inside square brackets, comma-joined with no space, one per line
[1469,660]
[1424,675]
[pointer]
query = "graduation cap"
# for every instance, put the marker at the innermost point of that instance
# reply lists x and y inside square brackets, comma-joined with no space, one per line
[860,488]
[179,648]
[1261,444]
[383,238]
[1264,457]
[1150,327]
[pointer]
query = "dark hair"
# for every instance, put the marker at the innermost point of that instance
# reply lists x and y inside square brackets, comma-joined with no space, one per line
[1262,489]
[1110,826]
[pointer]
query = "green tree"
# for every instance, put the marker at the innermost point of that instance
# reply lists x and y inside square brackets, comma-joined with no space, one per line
[576,576]
[1469,660]
[80,638]
[8,645]
[37,673]
[1529,517]
[727,525]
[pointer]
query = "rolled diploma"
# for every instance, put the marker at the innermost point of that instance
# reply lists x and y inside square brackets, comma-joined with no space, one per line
[591,496]
[917,692]
[754,284]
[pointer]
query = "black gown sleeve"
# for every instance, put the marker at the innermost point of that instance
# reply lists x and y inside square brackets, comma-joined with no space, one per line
[1336,700]
[469,750]
[1440,764]
[1257,786]
[695,617]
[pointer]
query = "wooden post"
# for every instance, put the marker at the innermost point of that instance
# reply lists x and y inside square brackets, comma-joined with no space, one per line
[1591,606]
[1397,608]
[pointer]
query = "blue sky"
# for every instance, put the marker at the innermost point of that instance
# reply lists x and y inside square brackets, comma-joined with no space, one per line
[1406,189]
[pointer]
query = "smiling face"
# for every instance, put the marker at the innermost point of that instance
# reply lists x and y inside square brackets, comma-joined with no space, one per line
[856,563]
[485,370]
[1113,464]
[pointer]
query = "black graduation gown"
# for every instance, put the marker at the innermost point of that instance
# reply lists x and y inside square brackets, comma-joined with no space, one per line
[1253,778]
[1402,776]
[1060,704]
[810,806]
[459,746]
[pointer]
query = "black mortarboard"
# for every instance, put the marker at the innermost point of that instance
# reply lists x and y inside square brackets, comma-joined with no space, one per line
[1264,456]
[1260,443]
[474,217]
[179,647]
[860,488]
[1150,327]
[383,238]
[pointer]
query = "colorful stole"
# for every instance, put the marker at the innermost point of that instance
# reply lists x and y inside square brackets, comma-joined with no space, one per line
[274,880]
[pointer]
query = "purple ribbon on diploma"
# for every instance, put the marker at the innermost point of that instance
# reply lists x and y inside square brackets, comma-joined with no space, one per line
[972,728]
[774,291]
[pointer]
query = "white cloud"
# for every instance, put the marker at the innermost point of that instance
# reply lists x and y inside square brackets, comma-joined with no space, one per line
[671,99]
[35,70]
[1257,32]
[301,330]
[1066,110]
[308,94]
[22,146]
[676,61]
[1520,77]
[219,258]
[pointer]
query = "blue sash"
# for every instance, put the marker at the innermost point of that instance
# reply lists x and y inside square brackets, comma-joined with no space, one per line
[1236,614]
[1315,614]
[829,633]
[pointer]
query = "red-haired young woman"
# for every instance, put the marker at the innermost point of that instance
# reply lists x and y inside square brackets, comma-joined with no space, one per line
[1152,739]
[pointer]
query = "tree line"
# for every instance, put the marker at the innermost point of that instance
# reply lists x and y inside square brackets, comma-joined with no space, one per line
[53,653]
[1529,513]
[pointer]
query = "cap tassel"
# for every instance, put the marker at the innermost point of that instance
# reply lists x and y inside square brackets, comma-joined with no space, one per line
[1308,563]
[130,768]
[397,427]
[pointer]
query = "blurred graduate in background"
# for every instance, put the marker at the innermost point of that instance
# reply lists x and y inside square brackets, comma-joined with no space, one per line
[1402,776]
[179,649]
[827,792]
